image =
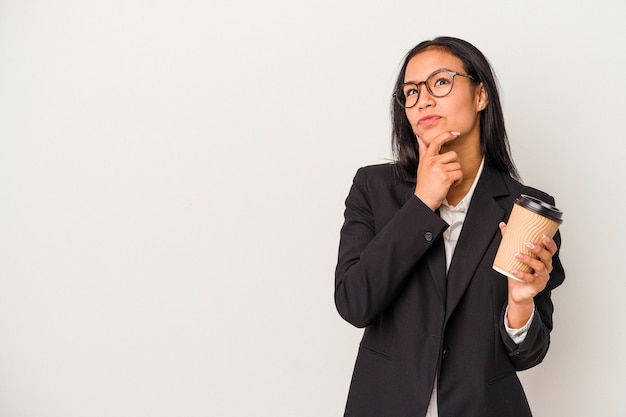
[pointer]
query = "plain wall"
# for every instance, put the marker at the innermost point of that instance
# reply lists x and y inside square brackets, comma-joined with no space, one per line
[172,180]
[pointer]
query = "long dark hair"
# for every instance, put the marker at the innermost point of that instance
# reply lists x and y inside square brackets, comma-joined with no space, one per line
[494,143]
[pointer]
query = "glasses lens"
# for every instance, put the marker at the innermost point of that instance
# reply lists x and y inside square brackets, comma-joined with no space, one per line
[407,95]
[440,83]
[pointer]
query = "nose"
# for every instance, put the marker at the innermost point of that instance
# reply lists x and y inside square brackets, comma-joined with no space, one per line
[425,99]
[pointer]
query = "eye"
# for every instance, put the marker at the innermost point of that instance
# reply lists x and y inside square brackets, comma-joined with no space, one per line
[443,80]
[410,90]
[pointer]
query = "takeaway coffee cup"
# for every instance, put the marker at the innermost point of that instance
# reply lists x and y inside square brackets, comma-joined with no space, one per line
[530,220]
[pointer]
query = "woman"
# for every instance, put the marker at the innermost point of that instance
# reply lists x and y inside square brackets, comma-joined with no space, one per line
[444,332]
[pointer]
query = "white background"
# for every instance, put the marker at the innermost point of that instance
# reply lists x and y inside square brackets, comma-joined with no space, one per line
[172,179]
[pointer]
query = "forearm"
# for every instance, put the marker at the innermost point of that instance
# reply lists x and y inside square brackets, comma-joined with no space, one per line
[534,346]
[370,273]
[522,303]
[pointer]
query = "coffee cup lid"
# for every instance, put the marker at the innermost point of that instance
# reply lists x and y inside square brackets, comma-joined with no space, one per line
[540,207]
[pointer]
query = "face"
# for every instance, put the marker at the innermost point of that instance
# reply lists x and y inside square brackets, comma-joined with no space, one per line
[457,111]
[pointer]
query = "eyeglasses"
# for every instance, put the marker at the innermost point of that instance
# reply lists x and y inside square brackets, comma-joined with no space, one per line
[438,84]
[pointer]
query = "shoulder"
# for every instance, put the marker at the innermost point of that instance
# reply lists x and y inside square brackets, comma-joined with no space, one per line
[518,188]
[384,183]
[380,173]
[377,169]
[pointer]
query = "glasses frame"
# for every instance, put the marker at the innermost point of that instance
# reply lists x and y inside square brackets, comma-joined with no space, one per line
[425,82]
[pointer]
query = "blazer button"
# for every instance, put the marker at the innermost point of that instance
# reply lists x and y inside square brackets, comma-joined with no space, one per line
[428,236]
[444,354]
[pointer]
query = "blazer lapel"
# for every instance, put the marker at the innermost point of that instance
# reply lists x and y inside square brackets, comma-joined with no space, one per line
[479,229]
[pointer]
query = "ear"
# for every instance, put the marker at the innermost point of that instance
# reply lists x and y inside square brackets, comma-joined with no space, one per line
[482,99]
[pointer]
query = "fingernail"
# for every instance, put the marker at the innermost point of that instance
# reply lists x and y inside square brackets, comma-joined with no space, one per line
[529,245]
[519,255]
[545,239]
[513,271]
[456,133]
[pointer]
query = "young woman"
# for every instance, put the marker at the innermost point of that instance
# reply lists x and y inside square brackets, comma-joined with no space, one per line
[444,332]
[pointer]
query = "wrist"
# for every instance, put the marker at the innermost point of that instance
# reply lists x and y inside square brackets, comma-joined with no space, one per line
[433,205]
[518,313]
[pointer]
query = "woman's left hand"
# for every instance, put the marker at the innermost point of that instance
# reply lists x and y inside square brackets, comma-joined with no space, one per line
[532,282]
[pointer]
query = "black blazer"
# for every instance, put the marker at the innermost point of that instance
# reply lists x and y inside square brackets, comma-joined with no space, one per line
[391,279]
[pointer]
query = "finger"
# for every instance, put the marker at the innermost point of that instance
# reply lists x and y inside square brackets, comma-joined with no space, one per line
[538,266]
[549,244]
[537,280]
[435,145]
[445,142]
[541,253]
[502,227]
[539,270]
[421,147]
[450,158]
[442,139]
[457,177]
[523,277]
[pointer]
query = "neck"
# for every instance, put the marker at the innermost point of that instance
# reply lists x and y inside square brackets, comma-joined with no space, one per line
[471,158]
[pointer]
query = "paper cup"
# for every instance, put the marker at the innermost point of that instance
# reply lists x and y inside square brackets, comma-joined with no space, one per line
[530,220]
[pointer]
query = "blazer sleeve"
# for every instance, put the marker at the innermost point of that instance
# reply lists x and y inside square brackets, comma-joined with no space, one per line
[375,260]
[533,349]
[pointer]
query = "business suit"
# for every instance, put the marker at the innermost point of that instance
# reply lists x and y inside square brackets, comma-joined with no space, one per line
[419,323]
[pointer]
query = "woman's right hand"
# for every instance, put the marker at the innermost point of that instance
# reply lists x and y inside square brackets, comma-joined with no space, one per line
[436,172]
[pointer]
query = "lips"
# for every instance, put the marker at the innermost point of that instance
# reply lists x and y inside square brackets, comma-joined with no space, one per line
[428,120]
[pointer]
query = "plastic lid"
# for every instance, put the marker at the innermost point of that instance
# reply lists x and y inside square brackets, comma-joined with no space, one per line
[540,207]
